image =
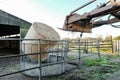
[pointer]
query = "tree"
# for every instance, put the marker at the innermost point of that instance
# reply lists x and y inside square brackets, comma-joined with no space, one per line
[108,38]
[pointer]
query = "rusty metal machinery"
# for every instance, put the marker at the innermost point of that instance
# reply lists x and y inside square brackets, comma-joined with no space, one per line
[115,2]
[85,22]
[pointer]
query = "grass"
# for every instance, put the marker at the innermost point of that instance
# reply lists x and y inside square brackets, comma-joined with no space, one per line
[113,56]
[95,62]
[93,69]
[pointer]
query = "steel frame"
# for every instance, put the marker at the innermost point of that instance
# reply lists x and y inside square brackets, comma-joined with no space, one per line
[83,22]
[63,53]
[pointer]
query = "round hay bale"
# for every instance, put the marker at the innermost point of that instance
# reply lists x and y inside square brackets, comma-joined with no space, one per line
[39,31]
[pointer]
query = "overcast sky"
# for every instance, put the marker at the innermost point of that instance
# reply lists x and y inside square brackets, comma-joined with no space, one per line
[53,12]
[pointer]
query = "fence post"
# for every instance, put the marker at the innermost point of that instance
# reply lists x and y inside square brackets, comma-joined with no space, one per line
[112,44]
[79,51]
[63,55]
[118,46]
[39,58]
[115,46]
[98,47]
[66,48]
[21,52]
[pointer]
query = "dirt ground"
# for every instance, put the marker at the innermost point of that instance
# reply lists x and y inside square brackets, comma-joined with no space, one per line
[18,77]
[7,64]
[116,75]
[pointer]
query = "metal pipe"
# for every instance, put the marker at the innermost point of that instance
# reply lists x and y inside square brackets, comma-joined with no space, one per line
[39,59]
[58,62]
[19,71]
[79,53]
[98,47]
[23,57]
[21,39]
[18,55]
[82,6]
[39,67]
[62,54]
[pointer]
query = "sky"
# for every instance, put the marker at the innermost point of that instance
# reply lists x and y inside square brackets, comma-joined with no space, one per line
[53,13]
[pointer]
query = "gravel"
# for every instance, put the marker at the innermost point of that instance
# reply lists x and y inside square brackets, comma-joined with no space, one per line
[115,76]
[8,65]
[18,77]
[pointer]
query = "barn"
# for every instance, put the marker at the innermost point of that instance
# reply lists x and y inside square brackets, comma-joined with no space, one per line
[11,27]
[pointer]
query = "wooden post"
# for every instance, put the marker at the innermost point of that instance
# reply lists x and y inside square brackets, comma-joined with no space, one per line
[112,45]
[118,46]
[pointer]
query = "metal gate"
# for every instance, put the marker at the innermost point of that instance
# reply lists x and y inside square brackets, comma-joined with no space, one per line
[58,58]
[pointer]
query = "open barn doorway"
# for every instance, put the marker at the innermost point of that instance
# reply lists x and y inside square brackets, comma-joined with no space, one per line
[8,47]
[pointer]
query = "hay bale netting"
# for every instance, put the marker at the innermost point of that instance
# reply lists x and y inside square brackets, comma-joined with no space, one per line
[39,31]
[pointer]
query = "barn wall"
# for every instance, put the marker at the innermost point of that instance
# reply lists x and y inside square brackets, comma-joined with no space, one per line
[6,18]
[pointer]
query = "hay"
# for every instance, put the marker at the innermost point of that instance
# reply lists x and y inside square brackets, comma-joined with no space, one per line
[39,31]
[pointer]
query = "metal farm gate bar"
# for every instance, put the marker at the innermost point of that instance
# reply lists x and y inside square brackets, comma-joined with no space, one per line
[65,55]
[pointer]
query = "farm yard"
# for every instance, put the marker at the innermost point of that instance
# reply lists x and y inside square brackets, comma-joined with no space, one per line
[95,64]
[38,49]
[91,68]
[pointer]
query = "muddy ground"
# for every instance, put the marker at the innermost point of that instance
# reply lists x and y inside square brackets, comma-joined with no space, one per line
[13,64]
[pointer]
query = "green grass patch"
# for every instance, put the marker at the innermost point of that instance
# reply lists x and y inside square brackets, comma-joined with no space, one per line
[96,62]
[92,69]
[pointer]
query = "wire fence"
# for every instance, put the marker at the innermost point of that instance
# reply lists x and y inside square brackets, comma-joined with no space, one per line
[39,58]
